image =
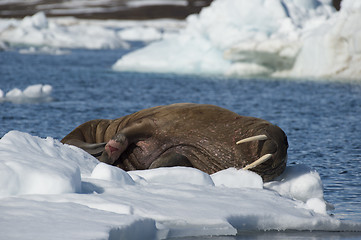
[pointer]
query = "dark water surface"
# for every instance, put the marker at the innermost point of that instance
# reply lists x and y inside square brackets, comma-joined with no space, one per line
[321,119]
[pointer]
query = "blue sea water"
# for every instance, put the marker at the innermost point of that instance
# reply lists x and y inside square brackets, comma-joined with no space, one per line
[320,118]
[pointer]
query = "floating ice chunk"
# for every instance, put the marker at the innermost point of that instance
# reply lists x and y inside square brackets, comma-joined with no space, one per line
[31,94]
[14,93]
[173,175]
[178,55]
[333,50]
[37,91]
[110,173]
[46,89]
[37,30]
[218,39]
[237,178]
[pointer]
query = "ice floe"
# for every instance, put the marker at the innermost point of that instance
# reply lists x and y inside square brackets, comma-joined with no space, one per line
[36,30]
[31,94]
[262,37]
[68,32]
[51,190]
[333,49]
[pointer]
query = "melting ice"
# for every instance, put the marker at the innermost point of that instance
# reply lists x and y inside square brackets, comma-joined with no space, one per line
[49,190]
[261,37]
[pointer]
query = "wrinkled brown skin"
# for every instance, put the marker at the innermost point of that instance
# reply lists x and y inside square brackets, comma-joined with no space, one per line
[185,134]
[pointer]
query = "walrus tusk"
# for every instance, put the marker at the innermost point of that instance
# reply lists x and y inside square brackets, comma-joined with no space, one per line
[259,161]
[254,138]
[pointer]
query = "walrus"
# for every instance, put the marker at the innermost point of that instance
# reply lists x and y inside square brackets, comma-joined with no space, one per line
[206,137]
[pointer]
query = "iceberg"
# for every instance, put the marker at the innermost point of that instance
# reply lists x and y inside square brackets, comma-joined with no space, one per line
[263,37]
[333,49]
[52,190]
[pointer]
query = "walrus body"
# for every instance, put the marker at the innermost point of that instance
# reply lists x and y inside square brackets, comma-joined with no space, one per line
[206,137]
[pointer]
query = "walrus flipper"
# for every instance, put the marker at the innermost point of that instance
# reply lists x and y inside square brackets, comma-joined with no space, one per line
[171,159]
[95,149]
[137,131]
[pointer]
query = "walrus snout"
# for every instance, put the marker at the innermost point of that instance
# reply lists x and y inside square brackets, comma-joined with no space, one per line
[276,145]
[272,153]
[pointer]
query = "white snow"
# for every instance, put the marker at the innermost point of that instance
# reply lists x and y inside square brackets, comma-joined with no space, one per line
[261,37]
[53,191]
[31,94]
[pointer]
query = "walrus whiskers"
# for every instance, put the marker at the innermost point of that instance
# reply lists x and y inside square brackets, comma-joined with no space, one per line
[259,161]
[254,138]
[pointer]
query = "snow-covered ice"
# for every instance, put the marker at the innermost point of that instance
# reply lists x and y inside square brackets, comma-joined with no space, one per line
[261,37]
[55,191]
[31,94]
